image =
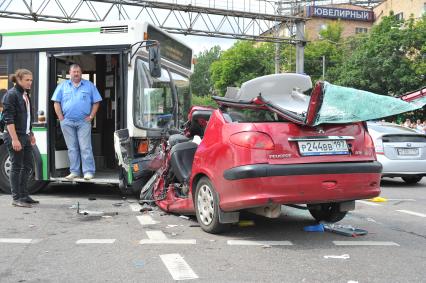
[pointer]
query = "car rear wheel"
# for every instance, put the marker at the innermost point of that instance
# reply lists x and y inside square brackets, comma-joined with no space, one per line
[328,212]
[412,179]
[207,207]
[5,167]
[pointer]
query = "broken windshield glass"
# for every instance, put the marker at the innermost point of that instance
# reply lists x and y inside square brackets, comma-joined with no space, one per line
[285,95]
[347,105]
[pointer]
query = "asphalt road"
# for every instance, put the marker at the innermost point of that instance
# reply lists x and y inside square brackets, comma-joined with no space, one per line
[52,243]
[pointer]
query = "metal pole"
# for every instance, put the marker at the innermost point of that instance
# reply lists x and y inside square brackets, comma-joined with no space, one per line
[323,68]
[277,44]
[300,47]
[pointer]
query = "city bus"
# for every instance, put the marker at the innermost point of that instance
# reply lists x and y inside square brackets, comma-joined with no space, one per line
[139,98]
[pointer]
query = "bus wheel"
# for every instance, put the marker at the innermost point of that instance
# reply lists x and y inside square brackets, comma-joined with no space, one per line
[5,167]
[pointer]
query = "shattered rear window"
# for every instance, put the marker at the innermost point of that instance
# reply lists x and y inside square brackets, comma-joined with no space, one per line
[347,105]
[241,115]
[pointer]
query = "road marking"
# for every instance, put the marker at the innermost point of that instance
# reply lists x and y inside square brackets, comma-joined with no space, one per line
[368,203]
[135,207]
[258,243]
[146,220]
[344,256]
[158,237]
[412,213]
[17,241]
[95,241]
[178,268]
[364,243]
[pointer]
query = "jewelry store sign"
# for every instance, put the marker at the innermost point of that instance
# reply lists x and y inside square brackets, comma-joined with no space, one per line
[344,14]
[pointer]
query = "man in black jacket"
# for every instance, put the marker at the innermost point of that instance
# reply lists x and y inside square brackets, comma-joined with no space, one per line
[19,139]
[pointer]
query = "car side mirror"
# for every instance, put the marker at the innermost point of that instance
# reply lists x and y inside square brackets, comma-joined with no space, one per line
[154,60]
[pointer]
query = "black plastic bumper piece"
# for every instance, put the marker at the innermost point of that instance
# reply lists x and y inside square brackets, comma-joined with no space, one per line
[272,170]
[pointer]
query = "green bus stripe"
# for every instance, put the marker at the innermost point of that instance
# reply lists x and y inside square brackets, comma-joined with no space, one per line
[44,162]
[130,176]
[56,31]
[39,129]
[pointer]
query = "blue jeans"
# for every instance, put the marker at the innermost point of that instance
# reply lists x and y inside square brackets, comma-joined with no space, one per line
[77,136]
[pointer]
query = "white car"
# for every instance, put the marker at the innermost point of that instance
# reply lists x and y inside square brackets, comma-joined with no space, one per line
[402,151]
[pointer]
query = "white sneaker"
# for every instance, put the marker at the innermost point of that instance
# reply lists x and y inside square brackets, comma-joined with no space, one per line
[88,176]
[71,176]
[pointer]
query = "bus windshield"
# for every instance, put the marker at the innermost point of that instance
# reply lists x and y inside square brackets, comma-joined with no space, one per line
[154,99]
[184,95]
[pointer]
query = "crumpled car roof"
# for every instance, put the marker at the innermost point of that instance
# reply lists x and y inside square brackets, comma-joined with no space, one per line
[338,104]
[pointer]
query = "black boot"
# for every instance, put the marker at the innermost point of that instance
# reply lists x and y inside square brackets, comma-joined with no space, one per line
[29,200]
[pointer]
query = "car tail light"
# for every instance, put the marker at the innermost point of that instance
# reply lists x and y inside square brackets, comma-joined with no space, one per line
[253,140]
[368,143]
[378,146]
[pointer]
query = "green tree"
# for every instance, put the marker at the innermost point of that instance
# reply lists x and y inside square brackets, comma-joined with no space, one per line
[201,82]
[240,63]
[204,101]
[331,48]
[386,61]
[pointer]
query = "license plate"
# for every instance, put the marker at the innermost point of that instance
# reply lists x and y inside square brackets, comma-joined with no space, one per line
[408,151]
[329,147]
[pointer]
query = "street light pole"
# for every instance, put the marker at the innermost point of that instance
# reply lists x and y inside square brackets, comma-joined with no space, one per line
[277,44]
[323,67]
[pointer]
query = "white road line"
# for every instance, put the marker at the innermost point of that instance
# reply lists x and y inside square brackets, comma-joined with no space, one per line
[95,241]
[135,207]
[258,243]
[412,213]
[17,241]
[368,203]
[364,243]
[158,237]
[146,220]
[178,268]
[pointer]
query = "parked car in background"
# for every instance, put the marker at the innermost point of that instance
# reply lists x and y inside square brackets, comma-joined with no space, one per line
[401,150]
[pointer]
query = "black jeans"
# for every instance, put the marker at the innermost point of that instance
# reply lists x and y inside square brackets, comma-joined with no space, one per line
[22,166]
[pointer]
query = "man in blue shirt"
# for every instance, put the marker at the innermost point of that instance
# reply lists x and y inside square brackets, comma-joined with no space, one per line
[76,102]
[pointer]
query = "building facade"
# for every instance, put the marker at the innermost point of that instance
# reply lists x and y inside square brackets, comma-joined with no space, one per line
[354,19]
[402,9]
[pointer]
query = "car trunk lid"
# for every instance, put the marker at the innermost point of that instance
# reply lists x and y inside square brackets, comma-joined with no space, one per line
[404,147]
[328,143]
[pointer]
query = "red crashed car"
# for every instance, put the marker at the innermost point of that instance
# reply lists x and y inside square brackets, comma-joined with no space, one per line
[257,155]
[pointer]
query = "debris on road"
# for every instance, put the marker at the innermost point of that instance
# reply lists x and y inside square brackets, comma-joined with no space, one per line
[314,228]
[246,223]
[184,217]
[345,230]
[91,213]
[117,204]
[378,199]
[139,263]
[145,207]
[92,198]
